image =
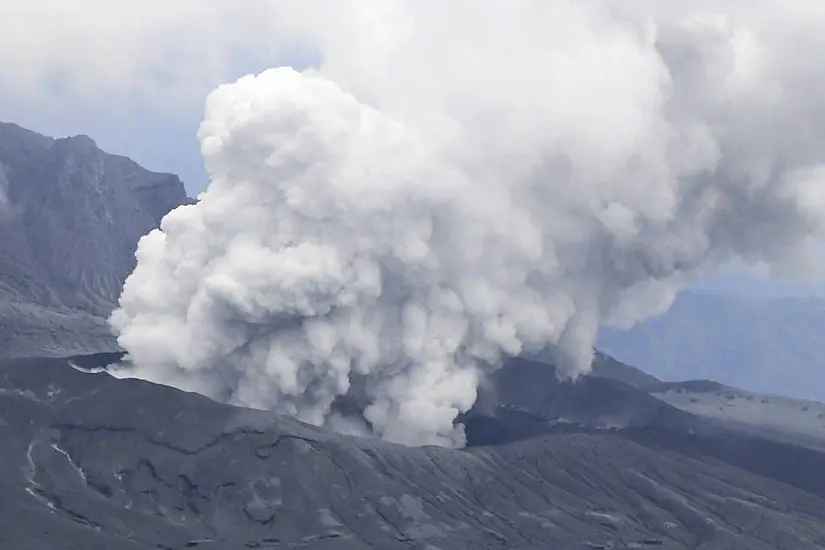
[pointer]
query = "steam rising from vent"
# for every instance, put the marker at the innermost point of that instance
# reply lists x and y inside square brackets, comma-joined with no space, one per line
[457,184]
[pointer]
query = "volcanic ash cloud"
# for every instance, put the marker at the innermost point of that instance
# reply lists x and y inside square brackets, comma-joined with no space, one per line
[420,206]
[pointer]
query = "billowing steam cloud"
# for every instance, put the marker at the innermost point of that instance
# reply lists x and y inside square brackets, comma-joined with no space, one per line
[465,180]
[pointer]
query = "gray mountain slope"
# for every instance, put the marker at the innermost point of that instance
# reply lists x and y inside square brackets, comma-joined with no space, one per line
[70,219]
[526,399]
[89,461]
[794,420]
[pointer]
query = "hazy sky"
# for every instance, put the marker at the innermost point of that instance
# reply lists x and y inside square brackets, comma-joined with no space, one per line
[134,74]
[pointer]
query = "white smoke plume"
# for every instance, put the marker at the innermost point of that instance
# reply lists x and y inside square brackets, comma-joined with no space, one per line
[461,181]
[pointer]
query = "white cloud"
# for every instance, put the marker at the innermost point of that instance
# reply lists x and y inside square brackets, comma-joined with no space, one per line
[98,49]
[135,74]
[459,180]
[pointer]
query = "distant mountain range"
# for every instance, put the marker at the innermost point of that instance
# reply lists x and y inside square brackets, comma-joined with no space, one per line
[70,219]
[770,345]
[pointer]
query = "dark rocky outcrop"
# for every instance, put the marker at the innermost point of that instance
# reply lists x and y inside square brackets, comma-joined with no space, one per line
[70,219]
